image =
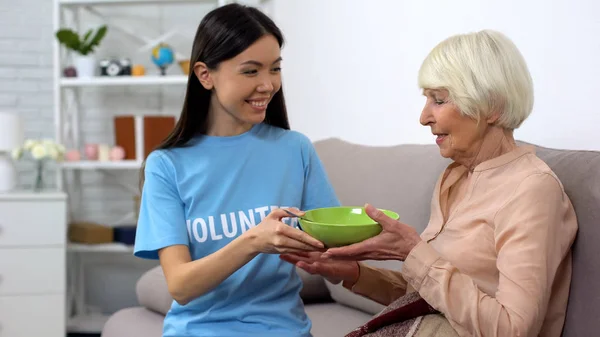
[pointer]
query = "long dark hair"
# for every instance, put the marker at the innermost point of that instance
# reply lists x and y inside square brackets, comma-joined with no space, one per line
[222,34]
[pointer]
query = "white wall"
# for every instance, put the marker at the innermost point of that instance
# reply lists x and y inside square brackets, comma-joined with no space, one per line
[350,66]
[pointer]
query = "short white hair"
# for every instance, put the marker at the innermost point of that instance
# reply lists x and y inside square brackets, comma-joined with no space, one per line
[484,72]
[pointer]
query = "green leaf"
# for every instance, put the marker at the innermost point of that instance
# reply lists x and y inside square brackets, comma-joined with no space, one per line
[95,41]
[86,45]
[87,36]
[69,38]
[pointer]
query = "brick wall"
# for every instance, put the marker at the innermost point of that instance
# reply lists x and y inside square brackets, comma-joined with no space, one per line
[26,67]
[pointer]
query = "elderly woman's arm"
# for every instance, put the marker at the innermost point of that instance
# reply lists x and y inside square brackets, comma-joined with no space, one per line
[381,285]
[533,235]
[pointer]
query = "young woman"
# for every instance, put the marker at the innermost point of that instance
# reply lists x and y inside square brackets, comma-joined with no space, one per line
[212,192]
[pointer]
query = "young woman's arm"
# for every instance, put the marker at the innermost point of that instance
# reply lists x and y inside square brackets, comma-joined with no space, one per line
[188,279]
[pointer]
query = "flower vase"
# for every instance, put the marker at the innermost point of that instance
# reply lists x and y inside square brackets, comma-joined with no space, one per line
[38,184]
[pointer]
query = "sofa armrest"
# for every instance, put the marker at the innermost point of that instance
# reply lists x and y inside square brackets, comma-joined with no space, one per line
[152,292]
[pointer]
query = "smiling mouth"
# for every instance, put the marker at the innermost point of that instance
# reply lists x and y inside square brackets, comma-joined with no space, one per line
[258,103]
[440,137]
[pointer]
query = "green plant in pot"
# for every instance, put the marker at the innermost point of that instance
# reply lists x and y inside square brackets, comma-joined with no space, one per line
[83,46]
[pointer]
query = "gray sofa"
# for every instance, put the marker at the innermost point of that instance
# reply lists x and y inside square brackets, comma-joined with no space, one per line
[402,178]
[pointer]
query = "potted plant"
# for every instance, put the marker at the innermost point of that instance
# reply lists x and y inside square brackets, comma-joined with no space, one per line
[83,46]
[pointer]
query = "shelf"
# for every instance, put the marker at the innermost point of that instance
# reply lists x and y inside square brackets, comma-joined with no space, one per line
[31,195]
[104,81]
[101,165]
[128,2]
[90,323]
[114,247]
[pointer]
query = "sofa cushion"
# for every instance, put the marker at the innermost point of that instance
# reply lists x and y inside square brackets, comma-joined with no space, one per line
[579,172]
[400,178]
[332,319]
[133,322]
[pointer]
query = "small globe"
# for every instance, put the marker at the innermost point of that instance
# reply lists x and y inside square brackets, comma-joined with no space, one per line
[163,56]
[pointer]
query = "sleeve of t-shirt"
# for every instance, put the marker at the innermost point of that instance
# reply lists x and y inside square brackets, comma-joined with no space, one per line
[318,191]
[161,221]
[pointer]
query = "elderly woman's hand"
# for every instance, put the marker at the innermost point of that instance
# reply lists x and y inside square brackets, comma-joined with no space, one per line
[334,271]
[395,241]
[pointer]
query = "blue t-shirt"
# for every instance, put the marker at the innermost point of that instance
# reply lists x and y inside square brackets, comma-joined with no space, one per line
[208,193]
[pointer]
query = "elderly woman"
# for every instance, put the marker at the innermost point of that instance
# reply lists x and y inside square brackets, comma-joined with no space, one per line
[495,257]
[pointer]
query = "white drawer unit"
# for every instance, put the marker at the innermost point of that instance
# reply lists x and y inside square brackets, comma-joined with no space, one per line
[33,232]
[29,222]
[27,316]
[27,271]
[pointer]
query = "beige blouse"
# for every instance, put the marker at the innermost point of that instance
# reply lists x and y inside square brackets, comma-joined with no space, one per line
[500,265]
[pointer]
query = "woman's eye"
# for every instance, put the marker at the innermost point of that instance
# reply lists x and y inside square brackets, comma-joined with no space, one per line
[437,101]
[277,69]
[250,72]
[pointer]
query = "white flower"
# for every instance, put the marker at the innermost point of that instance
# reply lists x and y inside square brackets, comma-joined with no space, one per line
[39,151]
[17,153]
[61,148]
[53,153]
[29,144]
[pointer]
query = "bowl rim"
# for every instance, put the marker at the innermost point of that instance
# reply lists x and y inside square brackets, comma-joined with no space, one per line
[303,221]
[396,217]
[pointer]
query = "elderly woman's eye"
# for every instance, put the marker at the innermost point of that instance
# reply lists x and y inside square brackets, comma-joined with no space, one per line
[438,102]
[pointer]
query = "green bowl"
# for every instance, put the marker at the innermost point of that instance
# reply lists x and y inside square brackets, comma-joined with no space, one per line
[341,226]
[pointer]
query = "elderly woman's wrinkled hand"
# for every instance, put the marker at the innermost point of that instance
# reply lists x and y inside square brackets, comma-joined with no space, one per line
[334,271]
[395,241]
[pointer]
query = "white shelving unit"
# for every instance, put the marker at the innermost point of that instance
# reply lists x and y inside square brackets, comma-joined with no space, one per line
[93,165]
[130,2]
[67,104]
[123,81]
[100,248]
